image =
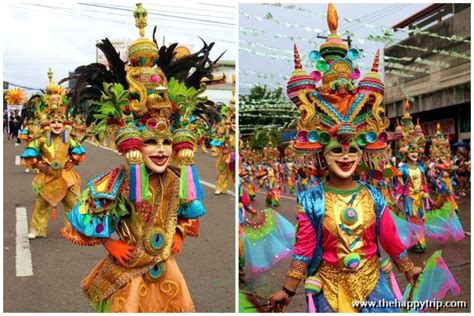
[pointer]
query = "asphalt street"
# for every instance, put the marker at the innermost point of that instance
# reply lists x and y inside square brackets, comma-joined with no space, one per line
[207,262]
[457,256]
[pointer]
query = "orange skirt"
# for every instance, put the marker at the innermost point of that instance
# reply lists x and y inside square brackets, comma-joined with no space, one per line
[169,295]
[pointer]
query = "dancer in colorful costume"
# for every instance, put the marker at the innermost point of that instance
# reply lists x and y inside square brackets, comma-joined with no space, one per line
[273,176]
[290,167]
[412,186]
[341,222]
[51,149]
[222,147]
[442,221]
[265,237]
[153,202]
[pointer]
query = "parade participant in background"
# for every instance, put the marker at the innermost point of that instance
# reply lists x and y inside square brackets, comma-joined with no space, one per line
[222,147]
[245,170]
[412,186]
[442,221]
[341,222]
[290,168]
[51,150]
[153,202]
[13,97]
[273,177]
[265,237]
[462,170]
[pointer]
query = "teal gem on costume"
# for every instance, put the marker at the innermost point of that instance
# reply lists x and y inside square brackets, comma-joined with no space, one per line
[55,165]
[349,216]
[352,261]
[314,55]
[352,54]
[157,240]
[149,91]
[86,220]
[361,139]
[142,60]
[324,138]
[89,230]
[312,137]
[371,137]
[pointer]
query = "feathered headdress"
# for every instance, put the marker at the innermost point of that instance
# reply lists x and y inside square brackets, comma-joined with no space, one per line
[334,109]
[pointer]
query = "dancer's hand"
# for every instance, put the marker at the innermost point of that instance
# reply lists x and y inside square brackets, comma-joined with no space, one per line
[177,243]
[412,275]
[42,167]
[68,165]
[119,250]
[279,301]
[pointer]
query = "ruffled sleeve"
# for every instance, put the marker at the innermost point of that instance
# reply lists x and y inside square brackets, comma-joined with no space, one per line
[76,151]
[305,238]
[31,154]
[389,238]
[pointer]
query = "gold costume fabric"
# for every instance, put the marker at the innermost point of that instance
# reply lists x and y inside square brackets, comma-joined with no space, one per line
[342,286]
[169,295]
[56,185]
[40,217]
[223,174]
[135,287]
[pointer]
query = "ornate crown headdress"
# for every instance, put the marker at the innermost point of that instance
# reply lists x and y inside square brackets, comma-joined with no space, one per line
[334,110]
[410,136]
[440,151]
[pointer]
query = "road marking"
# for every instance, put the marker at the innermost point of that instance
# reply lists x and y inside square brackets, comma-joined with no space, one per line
[207,184]
[23,253]
[17,160]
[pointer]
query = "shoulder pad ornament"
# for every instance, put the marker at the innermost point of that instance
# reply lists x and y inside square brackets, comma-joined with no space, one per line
[107,185]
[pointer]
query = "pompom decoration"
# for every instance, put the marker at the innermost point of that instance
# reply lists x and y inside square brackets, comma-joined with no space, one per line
[355,74]
[382,138]
[314,55]
[312,286]
[353,54]
[352,261]
[322,66]
[349,216]
[387,173]
[315,75]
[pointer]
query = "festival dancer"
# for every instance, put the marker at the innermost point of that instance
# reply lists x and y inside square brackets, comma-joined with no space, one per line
[54,153]
[412,186]
[149,204]
[341,222]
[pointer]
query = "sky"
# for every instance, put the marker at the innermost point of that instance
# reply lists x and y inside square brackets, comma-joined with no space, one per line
[62,35]
[311,24]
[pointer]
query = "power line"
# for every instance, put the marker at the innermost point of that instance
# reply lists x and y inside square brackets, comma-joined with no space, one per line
[187,35]
[159,14]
